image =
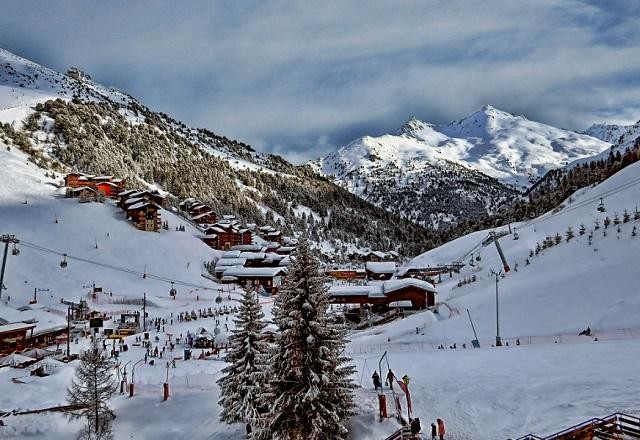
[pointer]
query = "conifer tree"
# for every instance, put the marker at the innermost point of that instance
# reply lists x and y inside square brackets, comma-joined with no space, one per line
[312,389]
[583,229]
[90,390]
[625,216]
[243,386]
[569,234]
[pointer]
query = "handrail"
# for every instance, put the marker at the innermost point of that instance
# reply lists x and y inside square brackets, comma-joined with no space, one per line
[595,423]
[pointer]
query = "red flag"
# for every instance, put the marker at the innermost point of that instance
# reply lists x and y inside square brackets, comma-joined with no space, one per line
[404,388]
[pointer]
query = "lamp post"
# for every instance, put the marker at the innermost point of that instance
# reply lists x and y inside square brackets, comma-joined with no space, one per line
[498,340]
[35,294]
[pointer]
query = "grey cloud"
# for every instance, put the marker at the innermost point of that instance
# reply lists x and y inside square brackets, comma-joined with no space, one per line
[299,78]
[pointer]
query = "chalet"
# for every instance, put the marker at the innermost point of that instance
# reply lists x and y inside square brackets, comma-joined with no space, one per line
[84,193]
[76,180]
[145,215]
[205,218]
[285,250]
[123,196]
[267,278]
[420,294]
[224,235]
[347,274]
[13,337]
[380,270]
[107,189]
[270,234]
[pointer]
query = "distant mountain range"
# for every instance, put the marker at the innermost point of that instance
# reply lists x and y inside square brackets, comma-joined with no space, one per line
[434,174]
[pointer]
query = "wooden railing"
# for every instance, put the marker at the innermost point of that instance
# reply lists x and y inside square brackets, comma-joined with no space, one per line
[615,426]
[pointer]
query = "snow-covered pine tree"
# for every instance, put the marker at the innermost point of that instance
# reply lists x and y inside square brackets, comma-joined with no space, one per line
[90,390]
[313,392]
[243,386]
[582,229]
[569,234]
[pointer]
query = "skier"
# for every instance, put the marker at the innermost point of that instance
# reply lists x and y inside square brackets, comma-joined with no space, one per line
[441,430]
[434,432]
[405,379]
[390,378]
[376,381]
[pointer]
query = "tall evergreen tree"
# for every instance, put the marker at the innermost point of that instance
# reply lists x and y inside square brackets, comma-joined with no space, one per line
[88,395]
[312,389]
[243,386]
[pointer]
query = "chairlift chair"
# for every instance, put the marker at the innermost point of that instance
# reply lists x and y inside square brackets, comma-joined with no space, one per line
[471,263]
[478,257]
[515,236]
[601,206]
[173,291]
[63,263]
[15,250]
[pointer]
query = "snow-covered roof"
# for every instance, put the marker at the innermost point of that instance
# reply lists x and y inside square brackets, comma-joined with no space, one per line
[15,359]
[240,271]
[131,200]
[381,289]
[15,326]
[83,188]
[253,255]
[140,205]
[231,254]
[247,247]
[226,262]
[381,266]
[204,214]
[126,193]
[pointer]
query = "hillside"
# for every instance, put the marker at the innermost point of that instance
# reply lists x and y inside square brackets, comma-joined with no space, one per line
[95,129]
[554,378]
[434,173]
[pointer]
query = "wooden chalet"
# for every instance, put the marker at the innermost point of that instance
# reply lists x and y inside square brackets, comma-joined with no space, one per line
[84,193]
[108,186]
[267,278]
[224,235]
[346,274]
[13,337]
[145,215]
[380,270]
[270,234]
[205,218]
[420,294]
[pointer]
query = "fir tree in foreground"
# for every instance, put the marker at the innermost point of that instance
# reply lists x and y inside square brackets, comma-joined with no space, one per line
[244,384]
[90,390]
[310,380]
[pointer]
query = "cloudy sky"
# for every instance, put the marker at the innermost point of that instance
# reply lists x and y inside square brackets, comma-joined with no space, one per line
[300,78]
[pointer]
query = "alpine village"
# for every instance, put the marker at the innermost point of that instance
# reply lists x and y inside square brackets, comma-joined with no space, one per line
[474,279]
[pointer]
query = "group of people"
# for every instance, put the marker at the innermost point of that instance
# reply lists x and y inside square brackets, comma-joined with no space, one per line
[437,429]
[391,378]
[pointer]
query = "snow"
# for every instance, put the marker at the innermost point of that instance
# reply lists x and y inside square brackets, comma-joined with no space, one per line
[381,266]
[508,147]
[555,378]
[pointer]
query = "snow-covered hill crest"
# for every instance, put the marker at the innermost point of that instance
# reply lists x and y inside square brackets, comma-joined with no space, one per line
[465,165]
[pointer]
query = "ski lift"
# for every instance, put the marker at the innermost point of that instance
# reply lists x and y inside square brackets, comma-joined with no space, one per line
[63,263]
[15,250]
[601,206]
[471,263]
[173,291]
[478,257]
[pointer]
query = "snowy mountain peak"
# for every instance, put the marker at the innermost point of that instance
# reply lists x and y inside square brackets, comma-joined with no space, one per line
[607,132]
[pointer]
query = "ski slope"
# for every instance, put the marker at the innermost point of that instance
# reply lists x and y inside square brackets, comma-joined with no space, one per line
[555,378]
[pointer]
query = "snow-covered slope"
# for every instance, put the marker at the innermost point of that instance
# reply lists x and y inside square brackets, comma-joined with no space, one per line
[510,148]
[555,378]
[607,132]
[450,163]
[172,254]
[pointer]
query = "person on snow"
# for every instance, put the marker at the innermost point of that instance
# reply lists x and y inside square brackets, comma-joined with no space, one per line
[405,379]
[441,430]
[415,426]
[376,380]
[390,378]
[434,432]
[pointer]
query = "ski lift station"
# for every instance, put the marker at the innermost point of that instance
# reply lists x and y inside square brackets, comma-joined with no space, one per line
[421,294]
